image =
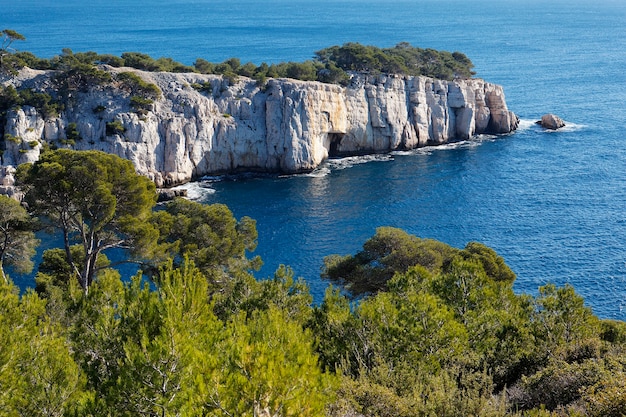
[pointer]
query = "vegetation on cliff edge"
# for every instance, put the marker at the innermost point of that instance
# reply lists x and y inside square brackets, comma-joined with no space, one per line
[330,65]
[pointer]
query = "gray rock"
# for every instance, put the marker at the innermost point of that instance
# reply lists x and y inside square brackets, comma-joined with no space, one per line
[551,121]
[168,194]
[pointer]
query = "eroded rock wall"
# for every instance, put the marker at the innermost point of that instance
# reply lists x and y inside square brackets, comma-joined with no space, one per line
[286,126]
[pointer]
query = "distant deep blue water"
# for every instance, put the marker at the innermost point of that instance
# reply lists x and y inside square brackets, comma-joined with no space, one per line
[552,204]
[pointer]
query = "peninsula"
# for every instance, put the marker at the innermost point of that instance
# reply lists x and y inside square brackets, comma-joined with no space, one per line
[177,126]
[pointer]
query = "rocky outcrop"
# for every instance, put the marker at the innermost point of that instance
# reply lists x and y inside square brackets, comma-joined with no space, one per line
[551,121]
[285,126]
[168,194]
[7,183]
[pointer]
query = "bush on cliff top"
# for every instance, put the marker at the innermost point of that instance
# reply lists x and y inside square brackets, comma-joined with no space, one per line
[329,65]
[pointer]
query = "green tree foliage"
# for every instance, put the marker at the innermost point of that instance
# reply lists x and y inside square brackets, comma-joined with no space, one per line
[127,351]
[271,365]
[77,71]
[163,333]
[203,66]
[493,265]
[17,239]
[28,59]
[112,60]
[169,65]
[245,294]
[115,128]
[451,329]
[136,86]
[54,281]
[402,352]
[94,198]
[332,74]
[561,319]
[414,328]
[165,352]
[8,37]
[332,64]
[7,60]
[389,251]
[401,59]
[11,99]
[211,237]
[140,61]
[38,376]
[433,331]
[392,250]
[72,133]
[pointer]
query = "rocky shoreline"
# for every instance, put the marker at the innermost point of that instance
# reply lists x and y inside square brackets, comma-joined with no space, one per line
[284,126]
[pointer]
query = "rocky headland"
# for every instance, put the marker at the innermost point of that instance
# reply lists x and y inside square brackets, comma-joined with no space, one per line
[227,126]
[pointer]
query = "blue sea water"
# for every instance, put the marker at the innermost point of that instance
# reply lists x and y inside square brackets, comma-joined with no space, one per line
[553,204]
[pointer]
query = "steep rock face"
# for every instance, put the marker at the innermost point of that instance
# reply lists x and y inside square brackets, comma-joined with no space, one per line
[287,126]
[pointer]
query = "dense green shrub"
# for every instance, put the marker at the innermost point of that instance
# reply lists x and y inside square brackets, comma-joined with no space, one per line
[203,66]
[140,61]
[28,59]
[42,102]
[137,86]
[205,87]
[112,60]
[141,104]
[11,98]
[13,139]
[169,65]
[613,331]
[72,133]
[330,65]
[77,71]
[115,128]
[401,59]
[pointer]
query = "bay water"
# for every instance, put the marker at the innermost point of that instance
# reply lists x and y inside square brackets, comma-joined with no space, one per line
[553,204]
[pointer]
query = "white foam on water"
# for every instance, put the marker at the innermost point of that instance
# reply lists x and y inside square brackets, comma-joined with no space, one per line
[212,178]
[525,124]
[319,172]
[197,190]
[570,127]
[463,144]
[350,161]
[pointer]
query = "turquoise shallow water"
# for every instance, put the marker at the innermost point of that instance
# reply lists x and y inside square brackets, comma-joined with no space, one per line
[552,204]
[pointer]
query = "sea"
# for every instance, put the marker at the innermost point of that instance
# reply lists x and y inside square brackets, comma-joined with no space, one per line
[551,203]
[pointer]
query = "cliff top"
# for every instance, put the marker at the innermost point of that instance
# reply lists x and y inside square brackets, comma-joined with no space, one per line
[329,65]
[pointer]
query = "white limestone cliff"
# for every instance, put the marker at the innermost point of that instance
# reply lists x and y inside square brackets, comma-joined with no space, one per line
[287,126]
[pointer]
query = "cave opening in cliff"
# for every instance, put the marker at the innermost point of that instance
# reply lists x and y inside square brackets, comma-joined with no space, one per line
[334,142]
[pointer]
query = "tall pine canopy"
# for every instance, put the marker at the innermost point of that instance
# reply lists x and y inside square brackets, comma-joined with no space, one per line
[94,198]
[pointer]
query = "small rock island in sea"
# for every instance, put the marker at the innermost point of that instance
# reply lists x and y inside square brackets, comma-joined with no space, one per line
[551,121]
[182,124]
